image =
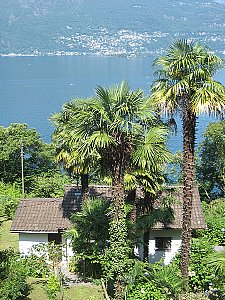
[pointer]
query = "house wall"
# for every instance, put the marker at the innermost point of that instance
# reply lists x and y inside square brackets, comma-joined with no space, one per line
[27,240]
[154,254]
[67,250]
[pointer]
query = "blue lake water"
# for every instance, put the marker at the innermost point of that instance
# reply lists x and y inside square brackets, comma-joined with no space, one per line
[33,88]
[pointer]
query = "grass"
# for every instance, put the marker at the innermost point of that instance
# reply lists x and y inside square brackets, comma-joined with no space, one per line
[37,291]
[78,292]
[83,292]
[7,239]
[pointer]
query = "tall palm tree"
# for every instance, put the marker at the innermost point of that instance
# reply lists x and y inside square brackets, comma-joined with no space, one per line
[120,128]
[67,154]
[185,84]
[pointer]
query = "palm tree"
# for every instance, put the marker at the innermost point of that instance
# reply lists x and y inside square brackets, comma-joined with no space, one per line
[90,224]
[217,262]
[119,128]
[185,84]
[113,125]
[66,153]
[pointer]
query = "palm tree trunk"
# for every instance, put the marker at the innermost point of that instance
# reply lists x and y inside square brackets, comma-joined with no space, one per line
[118,211]
[84,187]
[146,244]
[189,123]
[117,191]
[148,208]
[132,200]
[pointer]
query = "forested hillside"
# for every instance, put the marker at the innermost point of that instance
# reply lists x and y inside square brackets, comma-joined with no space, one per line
[139,27]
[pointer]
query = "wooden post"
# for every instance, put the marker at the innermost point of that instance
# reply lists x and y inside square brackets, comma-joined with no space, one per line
[22,167]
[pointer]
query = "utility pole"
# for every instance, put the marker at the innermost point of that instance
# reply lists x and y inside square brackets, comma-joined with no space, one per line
[22,166]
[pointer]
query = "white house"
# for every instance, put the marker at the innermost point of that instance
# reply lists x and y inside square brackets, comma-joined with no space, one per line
[41,220]
[165,236]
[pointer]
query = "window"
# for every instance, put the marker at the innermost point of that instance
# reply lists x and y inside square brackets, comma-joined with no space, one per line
[163,243]
[55,237]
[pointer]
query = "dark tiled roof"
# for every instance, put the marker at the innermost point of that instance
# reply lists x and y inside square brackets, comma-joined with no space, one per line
[103,191]
[197,220]
[40,215]
[52,215]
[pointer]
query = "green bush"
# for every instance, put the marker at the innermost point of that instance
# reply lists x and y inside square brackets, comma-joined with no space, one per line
[200,272]
[13,276]
[53,287]
[169,277]
[147,291]
[49,185]
[214,214]
[155,281]
[14,286]
[9,199]
[36,266]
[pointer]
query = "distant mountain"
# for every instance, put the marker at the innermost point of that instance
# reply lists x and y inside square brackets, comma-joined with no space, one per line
[118,27]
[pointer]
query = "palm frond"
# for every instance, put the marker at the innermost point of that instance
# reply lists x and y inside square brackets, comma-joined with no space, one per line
[153,151]
[209,98]
[187,70]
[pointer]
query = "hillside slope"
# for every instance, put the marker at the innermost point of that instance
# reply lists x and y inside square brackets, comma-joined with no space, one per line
[121,27]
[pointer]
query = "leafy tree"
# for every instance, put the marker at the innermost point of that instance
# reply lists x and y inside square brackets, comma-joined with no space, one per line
[49,185]
[214,213]
[210,168]
[9,199]
[111,126]
[38,156]
[185,84]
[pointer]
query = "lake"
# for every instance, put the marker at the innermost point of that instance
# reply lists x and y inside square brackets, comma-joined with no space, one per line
[33,88]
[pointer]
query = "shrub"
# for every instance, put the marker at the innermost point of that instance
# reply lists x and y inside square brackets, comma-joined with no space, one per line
[13,276]
[168,277]
[53,287]
[147,291]
[36,266]
[9,199]
[214,214]
[200,272]
[155,281]
[14,286]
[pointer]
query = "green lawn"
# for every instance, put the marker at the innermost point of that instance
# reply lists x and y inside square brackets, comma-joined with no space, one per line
[37,292]
[79,292]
